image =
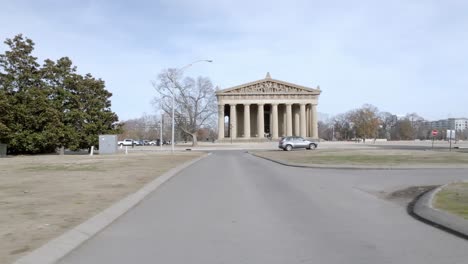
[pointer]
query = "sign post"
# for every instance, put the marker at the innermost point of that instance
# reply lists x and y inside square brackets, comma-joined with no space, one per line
[435,132]
[451,135]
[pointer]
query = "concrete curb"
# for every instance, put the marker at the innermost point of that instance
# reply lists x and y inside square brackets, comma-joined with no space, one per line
[350,167]
[57,248]
[421,208]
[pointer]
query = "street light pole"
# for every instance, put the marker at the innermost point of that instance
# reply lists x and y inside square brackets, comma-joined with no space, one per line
[173,100]
[172,137]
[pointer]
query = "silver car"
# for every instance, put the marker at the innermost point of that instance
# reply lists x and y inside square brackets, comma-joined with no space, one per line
[288,143]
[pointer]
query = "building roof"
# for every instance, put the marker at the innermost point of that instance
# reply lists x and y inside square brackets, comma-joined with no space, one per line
[269,85]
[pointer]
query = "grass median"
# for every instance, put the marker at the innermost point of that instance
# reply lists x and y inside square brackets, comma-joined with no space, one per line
[453,198]
[377,157]
[43,196]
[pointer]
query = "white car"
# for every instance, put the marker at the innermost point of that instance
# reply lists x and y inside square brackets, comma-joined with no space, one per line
[126,142]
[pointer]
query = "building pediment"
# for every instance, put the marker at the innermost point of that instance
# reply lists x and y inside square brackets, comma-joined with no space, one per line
[269,86]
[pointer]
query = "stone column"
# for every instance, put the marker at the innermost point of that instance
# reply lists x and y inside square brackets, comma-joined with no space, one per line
[308,117]
[314,121]
[296,122]
[220,121]
[260,121]
[303,120]
[289,120]
[274,120]
[246,120]
[284,125]
[233,118]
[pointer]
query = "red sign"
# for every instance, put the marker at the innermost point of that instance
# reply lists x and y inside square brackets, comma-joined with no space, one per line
[435,132]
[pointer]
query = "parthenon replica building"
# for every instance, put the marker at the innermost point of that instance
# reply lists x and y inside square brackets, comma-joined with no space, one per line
[267,108]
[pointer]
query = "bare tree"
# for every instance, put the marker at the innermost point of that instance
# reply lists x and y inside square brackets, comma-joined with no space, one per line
[343,128]
[417,125]
[366,121]
[387,121]
[194,100]
[405,129]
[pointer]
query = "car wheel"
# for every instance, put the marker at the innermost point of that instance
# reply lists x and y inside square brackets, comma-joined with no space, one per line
[312,146]
[288,148]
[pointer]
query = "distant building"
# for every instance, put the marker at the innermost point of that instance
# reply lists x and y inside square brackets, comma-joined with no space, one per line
[461,124]
[458,124]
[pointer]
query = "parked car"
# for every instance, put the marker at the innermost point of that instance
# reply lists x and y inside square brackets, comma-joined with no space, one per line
[289,143]
[125,142]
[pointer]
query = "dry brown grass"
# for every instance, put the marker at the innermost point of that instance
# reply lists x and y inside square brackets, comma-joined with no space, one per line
[368,157]
[43,196]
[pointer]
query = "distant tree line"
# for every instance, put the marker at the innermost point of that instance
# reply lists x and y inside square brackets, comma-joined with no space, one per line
[368,122]
[149,127]
[49,106]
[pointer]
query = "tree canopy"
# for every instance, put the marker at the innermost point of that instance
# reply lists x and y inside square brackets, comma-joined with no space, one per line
[50,106]
[368,122]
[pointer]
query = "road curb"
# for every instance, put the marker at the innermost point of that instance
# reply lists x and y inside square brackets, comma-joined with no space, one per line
[357,167]
[421,208]
[59,247]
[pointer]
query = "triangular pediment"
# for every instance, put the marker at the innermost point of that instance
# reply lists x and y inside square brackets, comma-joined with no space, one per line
[269,86]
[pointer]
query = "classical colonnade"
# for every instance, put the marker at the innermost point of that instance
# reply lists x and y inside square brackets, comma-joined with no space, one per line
[267,108]
[260,120]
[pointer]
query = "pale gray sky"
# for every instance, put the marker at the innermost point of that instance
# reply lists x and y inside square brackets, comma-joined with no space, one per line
[401,56]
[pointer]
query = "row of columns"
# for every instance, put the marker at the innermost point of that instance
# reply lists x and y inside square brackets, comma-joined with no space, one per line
[300,121]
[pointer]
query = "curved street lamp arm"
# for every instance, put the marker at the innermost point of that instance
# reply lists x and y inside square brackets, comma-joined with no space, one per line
[190,64]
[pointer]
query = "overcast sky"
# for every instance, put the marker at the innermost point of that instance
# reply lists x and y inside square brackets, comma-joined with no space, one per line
[401,56]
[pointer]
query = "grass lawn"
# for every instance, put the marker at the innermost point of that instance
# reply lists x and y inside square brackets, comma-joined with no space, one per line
[367,157]
[43,196]
[454,199]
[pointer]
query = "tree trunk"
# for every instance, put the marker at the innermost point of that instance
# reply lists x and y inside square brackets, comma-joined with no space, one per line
[194,139]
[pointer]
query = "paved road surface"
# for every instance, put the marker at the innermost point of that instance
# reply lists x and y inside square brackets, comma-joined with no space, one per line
[235,208]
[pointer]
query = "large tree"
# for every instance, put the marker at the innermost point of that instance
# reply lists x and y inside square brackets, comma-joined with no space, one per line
[365,121]
[29,122]
[405,129]
[93,114]
[342,125]
[387,121]
[195,102]
[52,106]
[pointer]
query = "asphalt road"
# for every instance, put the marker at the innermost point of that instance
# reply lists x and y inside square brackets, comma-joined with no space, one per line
[235,208]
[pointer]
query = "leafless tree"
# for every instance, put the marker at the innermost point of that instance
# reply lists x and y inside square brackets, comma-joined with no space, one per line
[366,121]
[195,101]
[387,121]
[343,127]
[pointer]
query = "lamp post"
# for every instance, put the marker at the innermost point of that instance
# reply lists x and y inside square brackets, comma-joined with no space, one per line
[173,99]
